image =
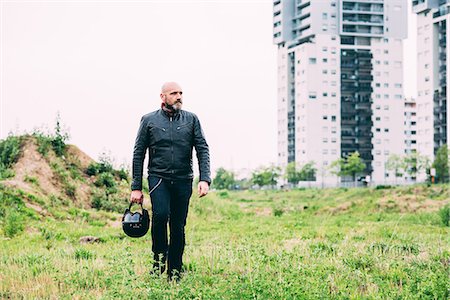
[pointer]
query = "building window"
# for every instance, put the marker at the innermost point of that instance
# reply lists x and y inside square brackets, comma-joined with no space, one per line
[312,61]
[333,118]
[312,95]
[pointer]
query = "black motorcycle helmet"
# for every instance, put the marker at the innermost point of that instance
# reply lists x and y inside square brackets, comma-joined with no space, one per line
[135,224]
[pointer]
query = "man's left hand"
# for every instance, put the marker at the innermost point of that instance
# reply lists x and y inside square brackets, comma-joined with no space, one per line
[203,188]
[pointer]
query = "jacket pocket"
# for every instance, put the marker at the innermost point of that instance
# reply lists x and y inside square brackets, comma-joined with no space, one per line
[157,133]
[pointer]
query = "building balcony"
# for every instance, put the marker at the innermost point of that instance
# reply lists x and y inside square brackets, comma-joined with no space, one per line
[440,136]
[303,4]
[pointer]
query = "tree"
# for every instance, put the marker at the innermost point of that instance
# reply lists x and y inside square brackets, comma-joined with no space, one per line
[354,165]
[266,176]
[441,164]
[413,163]
[291,173]
[224,179]
[395,163]
[308,172]
[349,166]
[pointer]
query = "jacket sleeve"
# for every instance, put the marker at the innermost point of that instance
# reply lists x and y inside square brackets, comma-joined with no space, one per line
[202,150]
[140,149]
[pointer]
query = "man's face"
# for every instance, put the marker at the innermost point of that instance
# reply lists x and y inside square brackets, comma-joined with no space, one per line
[172,95]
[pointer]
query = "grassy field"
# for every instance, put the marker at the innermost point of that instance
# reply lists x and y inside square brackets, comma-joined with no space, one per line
[300,244]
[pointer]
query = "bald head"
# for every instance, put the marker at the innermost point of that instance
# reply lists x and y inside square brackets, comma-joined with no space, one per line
[170,86]
[172,95]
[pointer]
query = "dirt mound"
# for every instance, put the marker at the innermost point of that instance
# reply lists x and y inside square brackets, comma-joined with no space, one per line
[48,176]
[410,203]
[32,170]
[78,157]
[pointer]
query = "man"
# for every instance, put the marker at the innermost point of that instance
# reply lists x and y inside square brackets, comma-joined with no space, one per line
[170,134]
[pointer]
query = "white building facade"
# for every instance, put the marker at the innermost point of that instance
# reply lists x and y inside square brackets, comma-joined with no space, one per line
[433,113]
[340,82]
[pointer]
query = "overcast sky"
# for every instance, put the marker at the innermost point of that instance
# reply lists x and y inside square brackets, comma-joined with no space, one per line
[100,64]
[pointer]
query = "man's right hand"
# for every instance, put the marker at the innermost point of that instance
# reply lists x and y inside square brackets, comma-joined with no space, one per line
[136,197]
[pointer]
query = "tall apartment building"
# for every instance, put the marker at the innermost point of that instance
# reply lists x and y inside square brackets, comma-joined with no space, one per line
[340,81]
[433,117]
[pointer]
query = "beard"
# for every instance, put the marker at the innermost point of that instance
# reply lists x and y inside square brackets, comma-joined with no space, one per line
[174,107]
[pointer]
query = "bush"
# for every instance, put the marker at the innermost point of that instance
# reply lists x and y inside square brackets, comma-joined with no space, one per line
[106,200]
[106,180]
[277,211]
[70,190]
[9,154]
[444,213]
[44,142]
[92,169]
[123,174]
[9,150]
[13,223]
[56,141]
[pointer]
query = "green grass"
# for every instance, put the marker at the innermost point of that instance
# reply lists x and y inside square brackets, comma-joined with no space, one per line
[302,244]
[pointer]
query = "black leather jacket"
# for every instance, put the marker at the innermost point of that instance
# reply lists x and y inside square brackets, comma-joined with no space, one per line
[170,141]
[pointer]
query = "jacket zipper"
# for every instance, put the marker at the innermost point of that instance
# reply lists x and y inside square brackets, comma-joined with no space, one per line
[171,140]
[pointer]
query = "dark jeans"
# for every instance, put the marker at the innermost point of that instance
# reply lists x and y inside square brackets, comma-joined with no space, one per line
[170,202]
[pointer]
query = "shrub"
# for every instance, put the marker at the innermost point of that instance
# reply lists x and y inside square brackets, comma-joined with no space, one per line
[56,141]
[13,223]
[123,174]
[106,180]
[44,142]
[278,212]
[444,213]
[107,200]
[9,154]
[70,190]
[9,151]
[92,169]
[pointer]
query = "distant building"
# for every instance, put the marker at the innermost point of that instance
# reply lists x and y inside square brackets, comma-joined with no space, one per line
[340,81]
[433,113]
